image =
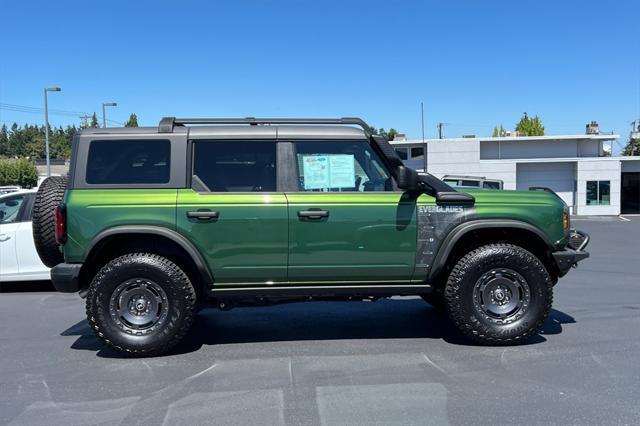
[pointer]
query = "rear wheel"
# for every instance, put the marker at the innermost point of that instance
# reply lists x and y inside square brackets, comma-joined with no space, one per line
[142,304]
[49,196]
[499,294]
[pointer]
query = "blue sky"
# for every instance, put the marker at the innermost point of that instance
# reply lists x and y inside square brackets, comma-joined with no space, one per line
[474,64]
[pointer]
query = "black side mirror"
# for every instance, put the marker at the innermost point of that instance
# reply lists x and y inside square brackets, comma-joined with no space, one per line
[407,179]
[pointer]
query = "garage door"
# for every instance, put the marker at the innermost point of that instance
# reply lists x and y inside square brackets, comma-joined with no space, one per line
[560,177]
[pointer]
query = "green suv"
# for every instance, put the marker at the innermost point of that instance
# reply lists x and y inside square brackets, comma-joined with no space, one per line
[152,223]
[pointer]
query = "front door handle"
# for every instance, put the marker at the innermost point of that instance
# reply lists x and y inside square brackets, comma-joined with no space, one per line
[203,215]
[4,237]
[313,214]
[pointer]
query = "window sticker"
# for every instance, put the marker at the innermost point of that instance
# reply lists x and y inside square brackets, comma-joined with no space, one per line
[316,171]
[328,171]
[342,171]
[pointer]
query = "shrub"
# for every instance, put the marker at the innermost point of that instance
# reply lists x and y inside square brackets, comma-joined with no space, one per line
[18,171]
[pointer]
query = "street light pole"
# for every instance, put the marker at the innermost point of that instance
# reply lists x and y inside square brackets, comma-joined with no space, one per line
[46,125]
[104,111]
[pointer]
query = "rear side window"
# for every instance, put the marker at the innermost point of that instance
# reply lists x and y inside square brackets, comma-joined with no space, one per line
[235,166]
[128,162]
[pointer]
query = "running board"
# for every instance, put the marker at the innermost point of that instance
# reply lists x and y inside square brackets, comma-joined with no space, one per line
[321,290]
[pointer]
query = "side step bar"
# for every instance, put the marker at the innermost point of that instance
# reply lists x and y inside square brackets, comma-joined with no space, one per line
[320,290]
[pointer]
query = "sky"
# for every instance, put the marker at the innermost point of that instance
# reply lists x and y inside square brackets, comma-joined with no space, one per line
[474,64]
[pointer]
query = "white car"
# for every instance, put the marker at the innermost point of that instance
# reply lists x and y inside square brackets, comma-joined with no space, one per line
[19,260]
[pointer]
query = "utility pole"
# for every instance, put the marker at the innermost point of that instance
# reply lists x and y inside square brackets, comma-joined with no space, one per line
[422,116]
[85,121]
[440,125]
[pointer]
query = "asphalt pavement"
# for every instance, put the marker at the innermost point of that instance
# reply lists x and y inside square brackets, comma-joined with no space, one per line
[329,363]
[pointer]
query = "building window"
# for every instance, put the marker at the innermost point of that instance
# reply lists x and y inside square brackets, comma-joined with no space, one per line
[598,192]
[417,153]
[402,153]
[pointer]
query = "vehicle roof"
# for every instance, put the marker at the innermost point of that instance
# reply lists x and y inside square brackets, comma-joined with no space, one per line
[240,131]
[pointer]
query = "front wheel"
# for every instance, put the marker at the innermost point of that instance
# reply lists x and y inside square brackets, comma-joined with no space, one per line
[499,294]
[141,304]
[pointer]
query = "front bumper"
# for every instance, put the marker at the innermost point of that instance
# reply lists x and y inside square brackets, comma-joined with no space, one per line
[573,253]
[66,277]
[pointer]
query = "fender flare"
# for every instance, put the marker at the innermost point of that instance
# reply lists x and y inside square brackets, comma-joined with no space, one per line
[461,230]
[174,236]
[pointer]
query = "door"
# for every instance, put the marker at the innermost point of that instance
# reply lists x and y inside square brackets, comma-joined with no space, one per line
[630,193]
[11,209]
[233,212]
[347,224]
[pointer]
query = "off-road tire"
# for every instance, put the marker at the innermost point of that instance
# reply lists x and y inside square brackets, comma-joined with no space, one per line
[469,316]
[174,284]
[49,196]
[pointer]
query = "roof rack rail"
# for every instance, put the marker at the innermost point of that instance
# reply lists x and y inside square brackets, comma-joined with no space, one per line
[168,123]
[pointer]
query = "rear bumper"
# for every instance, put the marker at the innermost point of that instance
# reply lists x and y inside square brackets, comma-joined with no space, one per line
[66,277]
[571,255]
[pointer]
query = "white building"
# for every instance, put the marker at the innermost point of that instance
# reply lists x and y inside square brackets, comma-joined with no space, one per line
[578,168]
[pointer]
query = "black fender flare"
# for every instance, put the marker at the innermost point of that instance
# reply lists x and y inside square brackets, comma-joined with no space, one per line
[461,230]
[174,236]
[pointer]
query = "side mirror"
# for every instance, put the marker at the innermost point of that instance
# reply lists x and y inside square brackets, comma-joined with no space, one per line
[407,179]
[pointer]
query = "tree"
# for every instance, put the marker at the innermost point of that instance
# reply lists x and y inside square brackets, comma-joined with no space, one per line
[389,135]
[498,132]
[530,126]
[132,121]
[4,140]
[633,146]
[94,121]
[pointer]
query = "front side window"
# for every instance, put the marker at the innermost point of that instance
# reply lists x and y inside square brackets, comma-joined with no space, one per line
[117,162]
[234,166]
[10,209]
[340,166]
[598,192]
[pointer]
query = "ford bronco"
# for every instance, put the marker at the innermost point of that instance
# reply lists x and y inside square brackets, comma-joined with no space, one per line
[152,223]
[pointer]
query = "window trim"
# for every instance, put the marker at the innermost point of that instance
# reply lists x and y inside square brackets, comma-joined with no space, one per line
[292,183]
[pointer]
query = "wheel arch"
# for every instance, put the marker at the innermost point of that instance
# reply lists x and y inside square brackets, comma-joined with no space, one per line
[472,234]
[131,238]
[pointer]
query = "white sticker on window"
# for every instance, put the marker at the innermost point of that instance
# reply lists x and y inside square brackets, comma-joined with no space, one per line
[342,171]
[328,171]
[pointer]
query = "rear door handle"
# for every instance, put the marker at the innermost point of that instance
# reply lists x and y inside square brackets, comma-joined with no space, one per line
[203,215]
[312,214]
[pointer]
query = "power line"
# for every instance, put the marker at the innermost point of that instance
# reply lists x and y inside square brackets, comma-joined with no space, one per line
[59,112]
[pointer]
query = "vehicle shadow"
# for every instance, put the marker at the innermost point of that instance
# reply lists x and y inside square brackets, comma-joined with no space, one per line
[387,319]
[25,286]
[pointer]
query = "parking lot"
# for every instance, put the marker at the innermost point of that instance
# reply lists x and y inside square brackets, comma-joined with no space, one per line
[389,362]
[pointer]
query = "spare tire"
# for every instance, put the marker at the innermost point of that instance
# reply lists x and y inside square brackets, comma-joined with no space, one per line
[48,197]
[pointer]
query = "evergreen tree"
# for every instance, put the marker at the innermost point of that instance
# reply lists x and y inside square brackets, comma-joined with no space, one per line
[94,121]
[132,121]
[530,126]
[4,140]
